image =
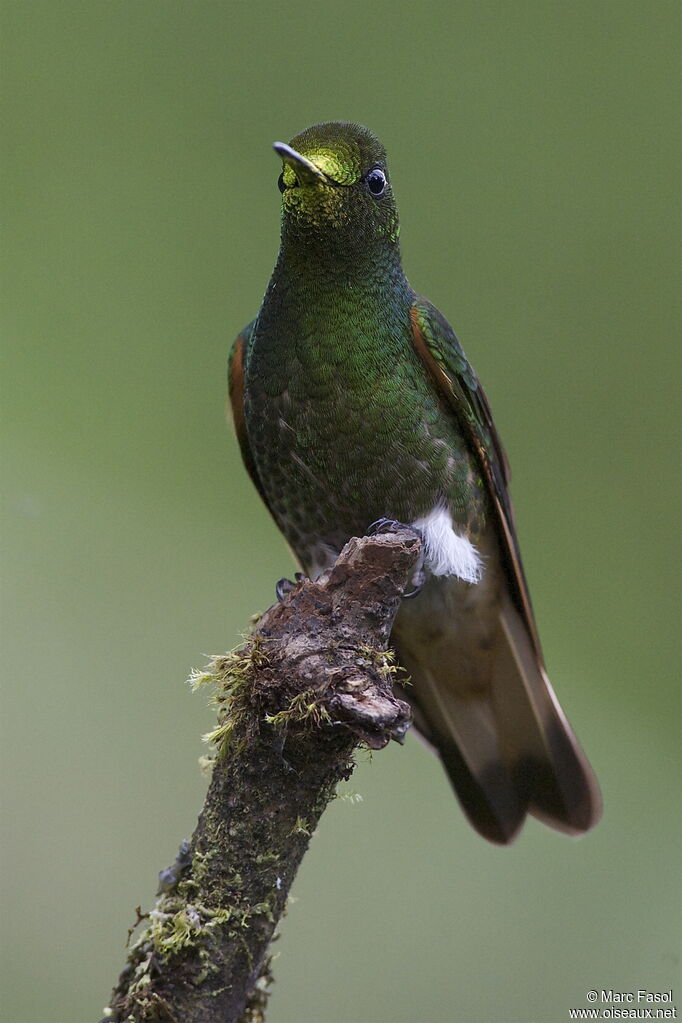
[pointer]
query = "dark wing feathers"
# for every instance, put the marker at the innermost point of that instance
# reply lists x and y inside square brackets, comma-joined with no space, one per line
[507,748]
[437,344]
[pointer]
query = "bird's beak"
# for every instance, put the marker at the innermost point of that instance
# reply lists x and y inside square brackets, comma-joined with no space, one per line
[306,171]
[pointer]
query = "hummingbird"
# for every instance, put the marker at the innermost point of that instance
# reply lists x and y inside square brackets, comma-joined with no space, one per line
[355,405]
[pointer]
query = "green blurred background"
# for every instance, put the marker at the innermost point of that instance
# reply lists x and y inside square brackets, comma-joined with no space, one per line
[532,149]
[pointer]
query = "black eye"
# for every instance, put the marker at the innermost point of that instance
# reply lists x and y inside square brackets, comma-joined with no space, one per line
[376,182]
[280,182]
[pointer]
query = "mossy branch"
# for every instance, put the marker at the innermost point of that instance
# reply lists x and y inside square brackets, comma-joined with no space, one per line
[311,684]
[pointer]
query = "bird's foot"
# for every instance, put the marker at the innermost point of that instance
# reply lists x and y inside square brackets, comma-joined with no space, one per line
[393,526]
[390,526]
[285,586]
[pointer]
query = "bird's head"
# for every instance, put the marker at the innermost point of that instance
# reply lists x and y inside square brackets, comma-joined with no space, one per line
[335,187]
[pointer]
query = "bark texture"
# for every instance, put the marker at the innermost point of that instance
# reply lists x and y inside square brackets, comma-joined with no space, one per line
[314,681]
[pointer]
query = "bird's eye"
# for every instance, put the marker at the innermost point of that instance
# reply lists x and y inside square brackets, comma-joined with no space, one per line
[280,182]
[376,182]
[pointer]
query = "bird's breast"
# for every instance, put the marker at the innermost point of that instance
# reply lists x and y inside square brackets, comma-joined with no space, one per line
[345,428]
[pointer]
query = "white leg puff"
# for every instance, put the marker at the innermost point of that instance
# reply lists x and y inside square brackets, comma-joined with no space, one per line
[448,552]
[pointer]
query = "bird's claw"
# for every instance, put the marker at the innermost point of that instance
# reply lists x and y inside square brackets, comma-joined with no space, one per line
[393,526]
[285,586]
[388,526]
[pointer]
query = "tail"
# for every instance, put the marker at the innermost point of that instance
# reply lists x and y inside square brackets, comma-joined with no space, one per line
[492,716]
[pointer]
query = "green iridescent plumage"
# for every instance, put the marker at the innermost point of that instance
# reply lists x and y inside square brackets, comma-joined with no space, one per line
[353,401]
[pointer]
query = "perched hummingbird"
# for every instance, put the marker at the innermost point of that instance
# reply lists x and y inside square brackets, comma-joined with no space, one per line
[354,402]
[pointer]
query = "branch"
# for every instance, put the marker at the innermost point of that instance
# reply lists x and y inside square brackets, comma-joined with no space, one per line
[312,683]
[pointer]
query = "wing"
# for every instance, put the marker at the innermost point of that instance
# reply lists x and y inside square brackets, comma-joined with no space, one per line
[506,744]
[235,381]
[437,344]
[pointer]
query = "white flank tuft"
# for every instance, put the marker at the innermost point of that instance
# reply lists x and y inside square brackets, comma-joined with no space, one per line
[448,552]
